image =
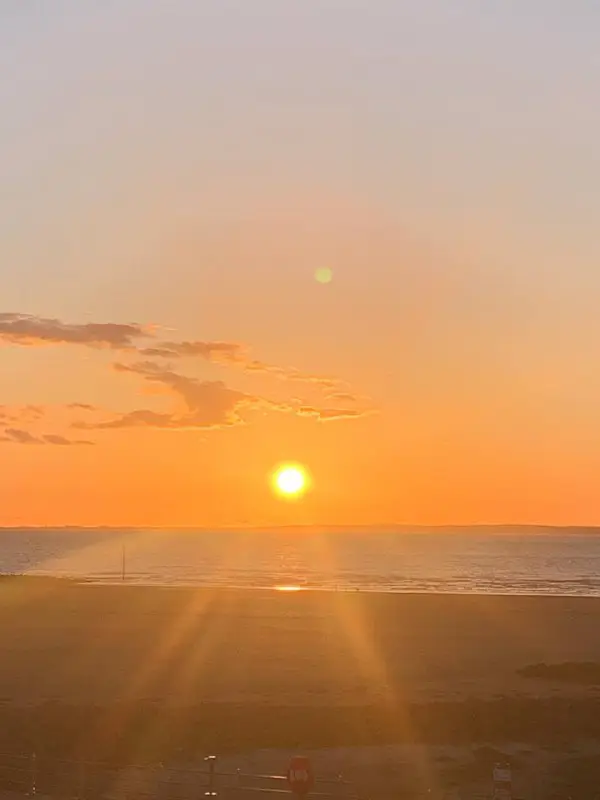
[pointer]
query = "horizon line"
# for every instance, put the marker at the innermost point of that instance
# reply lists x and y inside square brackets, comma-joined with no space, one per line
[380,527]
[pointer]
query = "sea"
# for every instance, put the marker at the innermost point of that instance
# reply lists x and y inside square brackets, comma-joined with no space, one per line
[510,560]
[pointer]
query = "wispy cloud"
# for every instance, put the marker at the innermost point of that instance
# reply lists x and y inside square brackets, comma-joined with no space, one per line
[27,330]
[234,354]
[205,404]
[331,414]
[11,415]
[211,402]
[31,412]
[142,418]
[200,404]
[291,374]
[21,436]
[52,438]
[217,352]
[344,397]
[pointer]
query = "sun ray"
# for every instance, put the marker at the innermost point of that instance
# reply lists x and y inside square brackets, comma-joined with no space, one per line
[348,614]
[170,643]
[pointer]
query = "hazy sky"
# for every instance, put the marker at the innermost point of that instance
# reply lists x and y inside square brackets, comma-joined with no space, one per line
[184,167]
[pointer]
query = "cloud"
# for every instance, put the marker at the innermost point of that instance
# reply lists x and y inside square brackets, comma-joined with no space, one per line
[52,438]
[16,414]
[331,414]
[200,404]
[206,404]
[234,354]
[343,397]
[27,330]
[217,352]
[21,436]
[211,403]
[20,414]
[291,374]
[81,407]
[141,418]
[32,412]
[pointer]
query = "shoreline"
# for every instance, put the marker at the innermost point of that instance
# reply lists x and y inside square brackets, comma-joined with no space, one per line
[284,588]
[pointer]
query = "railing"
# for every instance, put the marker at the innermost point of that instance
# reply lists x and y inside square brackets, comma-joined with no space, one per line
[37,776]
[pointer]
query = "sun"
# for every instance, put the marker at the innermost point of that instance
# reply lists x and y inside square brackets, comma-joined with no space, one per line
[290,480]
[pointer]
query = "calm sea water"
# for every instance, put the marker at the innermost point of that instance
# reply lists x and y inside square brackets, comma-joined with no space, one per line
[526,561]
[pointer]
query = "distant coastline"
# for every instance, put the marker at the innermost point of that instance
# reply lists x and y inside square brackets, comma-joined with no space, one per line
[510,528]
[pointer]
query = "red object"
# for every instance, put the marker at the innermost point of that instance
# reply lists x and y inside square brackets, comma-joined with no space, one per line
[300,776]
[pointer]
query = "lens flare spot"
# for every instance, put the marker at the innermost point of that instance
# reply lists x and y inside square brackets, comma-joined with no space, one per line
[324,275]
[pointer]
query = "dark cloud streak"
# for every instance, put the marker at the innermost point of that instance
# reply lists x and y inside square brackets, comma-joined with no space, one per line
[30,331]
[21,436]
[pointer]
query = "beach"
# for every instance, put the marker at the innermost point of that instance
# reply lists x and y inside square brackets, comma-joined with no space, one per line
[172,674]
[96,644]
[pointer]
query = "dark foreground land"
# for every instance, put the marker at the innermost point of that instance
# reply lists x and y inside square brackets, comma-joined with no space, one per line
[131,674]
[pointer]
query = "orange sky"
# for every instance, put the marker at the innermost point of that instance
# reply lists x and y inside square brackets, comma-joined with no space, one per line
[174,180]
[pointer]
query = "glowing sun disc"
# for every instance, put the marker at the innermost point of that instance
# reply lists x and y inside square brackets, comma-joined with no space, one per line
[290,480]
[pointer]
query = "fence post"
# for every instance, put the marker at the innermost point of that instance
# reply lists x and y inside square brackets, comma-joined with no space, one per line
[32,775]
[162,789]
[211,776]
